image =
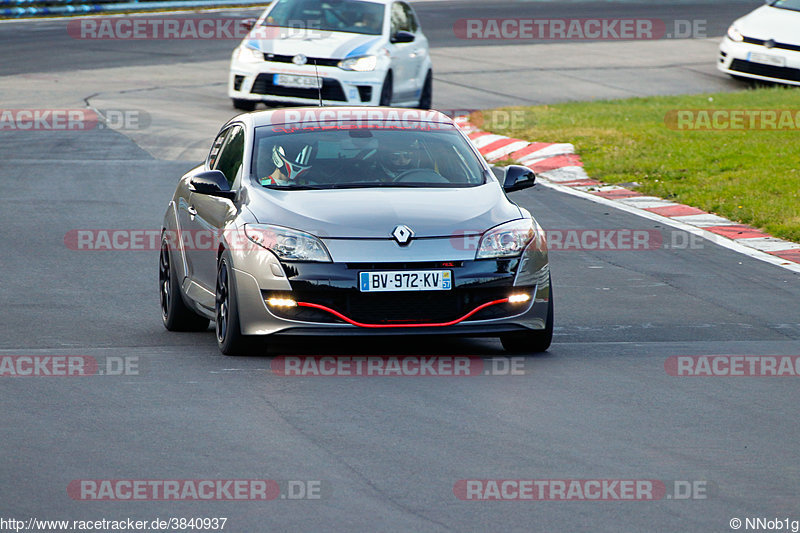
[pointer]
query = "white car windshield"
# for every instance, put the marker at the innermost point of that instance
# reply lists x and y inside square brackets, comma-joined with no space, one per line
[793,5]
[352,156]
[349,16]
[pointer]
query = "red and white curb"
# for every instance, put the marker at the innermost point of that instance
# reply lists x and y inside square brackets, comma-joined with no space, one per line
[558,167]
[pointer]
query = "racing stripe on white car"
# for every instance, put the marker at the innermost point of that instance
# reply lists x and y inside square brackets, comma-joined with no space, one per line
[557,165]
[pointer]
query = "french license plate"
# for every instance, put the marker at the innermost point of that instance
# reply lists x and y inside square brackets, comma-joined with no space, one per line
[406,280]
[767,59]
[297,82]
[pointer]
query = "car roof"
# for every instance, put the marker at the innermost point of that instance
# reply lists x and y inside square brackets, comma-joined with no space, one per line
[294,115]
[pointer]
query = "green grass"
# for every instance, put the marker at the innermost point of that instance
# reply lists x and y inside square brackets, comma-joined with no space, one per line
[748,176]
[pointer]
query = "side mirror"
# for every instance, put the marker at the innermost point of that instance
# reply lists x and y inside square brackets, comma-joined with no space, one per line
[212,183]
[247,24]
[403,37]
[517,178]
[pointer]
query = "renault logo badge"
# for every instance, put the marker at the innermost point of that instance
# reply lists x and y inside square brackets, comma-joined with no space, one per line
[402,234]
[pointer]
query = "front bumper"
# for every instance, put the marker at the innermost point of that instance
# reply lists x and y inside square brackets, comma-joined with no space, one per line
[332,304]
[256,82]
[735,58]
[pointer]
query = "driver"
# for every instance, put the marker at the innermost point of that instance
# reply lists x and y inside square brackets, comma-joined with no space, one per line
[396,159]
[367,20]
[287,172]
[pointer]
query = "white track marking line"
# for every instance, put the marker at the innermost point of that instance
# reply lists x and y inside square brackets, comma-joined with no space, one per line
[694,230]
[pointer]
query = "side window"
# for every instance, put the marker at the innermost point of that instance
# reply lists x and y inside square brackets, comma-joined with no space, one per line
[212,155]
[229,158]
[411,18]
[399,18]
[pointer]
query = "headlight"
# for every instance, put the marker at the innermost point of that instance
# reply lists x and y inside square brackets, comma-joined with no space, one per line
[735,35]
[359,64]
[250,55]
[288,244]
[506,240]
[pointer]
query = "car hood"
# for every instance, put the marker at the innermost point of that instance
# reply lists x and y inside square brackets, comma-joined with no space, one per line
[771,23]
[325,44]
[375,212]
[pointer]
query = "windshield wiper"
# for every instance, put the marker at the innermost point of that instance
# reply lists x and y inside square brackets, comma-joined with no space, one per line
[356,185]
[294,187]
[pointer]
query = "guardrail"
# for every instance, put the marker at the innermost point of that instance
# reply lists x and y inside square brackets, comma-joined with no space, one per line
[43,8]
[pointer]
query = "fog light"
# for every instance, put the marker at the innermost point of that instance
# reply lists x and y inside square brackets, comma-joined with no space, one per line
[518,298]
[281,302]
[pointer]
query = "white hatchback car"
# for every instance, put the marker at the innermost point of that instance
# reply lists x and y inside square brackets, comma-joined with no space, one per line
[342,52]
[764,44]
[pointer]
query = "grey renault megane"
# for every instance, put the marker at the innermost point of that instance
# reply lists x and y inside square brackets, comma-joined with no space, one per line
[352,221]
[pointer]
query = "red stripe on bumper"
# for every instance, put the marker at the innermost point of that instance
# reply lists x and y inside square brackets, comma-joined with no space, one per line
[422,325]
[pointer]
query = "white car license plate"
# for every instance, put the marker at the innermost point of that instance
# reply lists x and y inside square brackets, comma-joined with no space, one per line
[767,59]
[298,82]
[406,280]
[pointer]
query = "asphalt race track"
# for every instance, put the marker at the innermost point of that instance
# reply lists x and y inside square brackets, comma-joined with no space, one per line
[385,453]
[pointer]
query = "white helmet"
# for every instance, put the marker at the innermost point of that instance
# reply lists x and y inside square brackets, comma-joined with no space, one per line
[291,169]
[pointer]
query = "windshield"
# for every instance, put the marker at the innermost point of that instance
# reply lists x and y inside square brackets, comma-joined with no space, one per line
[349,16]
[324,157]
[793,5]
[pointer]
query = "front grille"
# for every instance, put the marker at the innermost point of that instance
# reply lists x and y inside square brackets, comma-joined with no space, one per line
[320,61]
[397,307]
[417,265]
[748,67]
[782,46]
[331,89]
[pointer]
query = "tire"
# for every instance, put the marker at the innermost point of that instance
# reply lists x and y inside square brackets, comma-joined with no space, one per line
[244,105]
[532,341]
[227,325]
[175,314]
[426,97]
[386,91]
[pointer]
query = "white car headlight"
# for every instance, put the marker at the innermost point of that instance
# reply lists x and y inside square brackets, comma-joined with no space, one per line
[734,34]
[359,64]
[250,55]
[506,240]
[288,244]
